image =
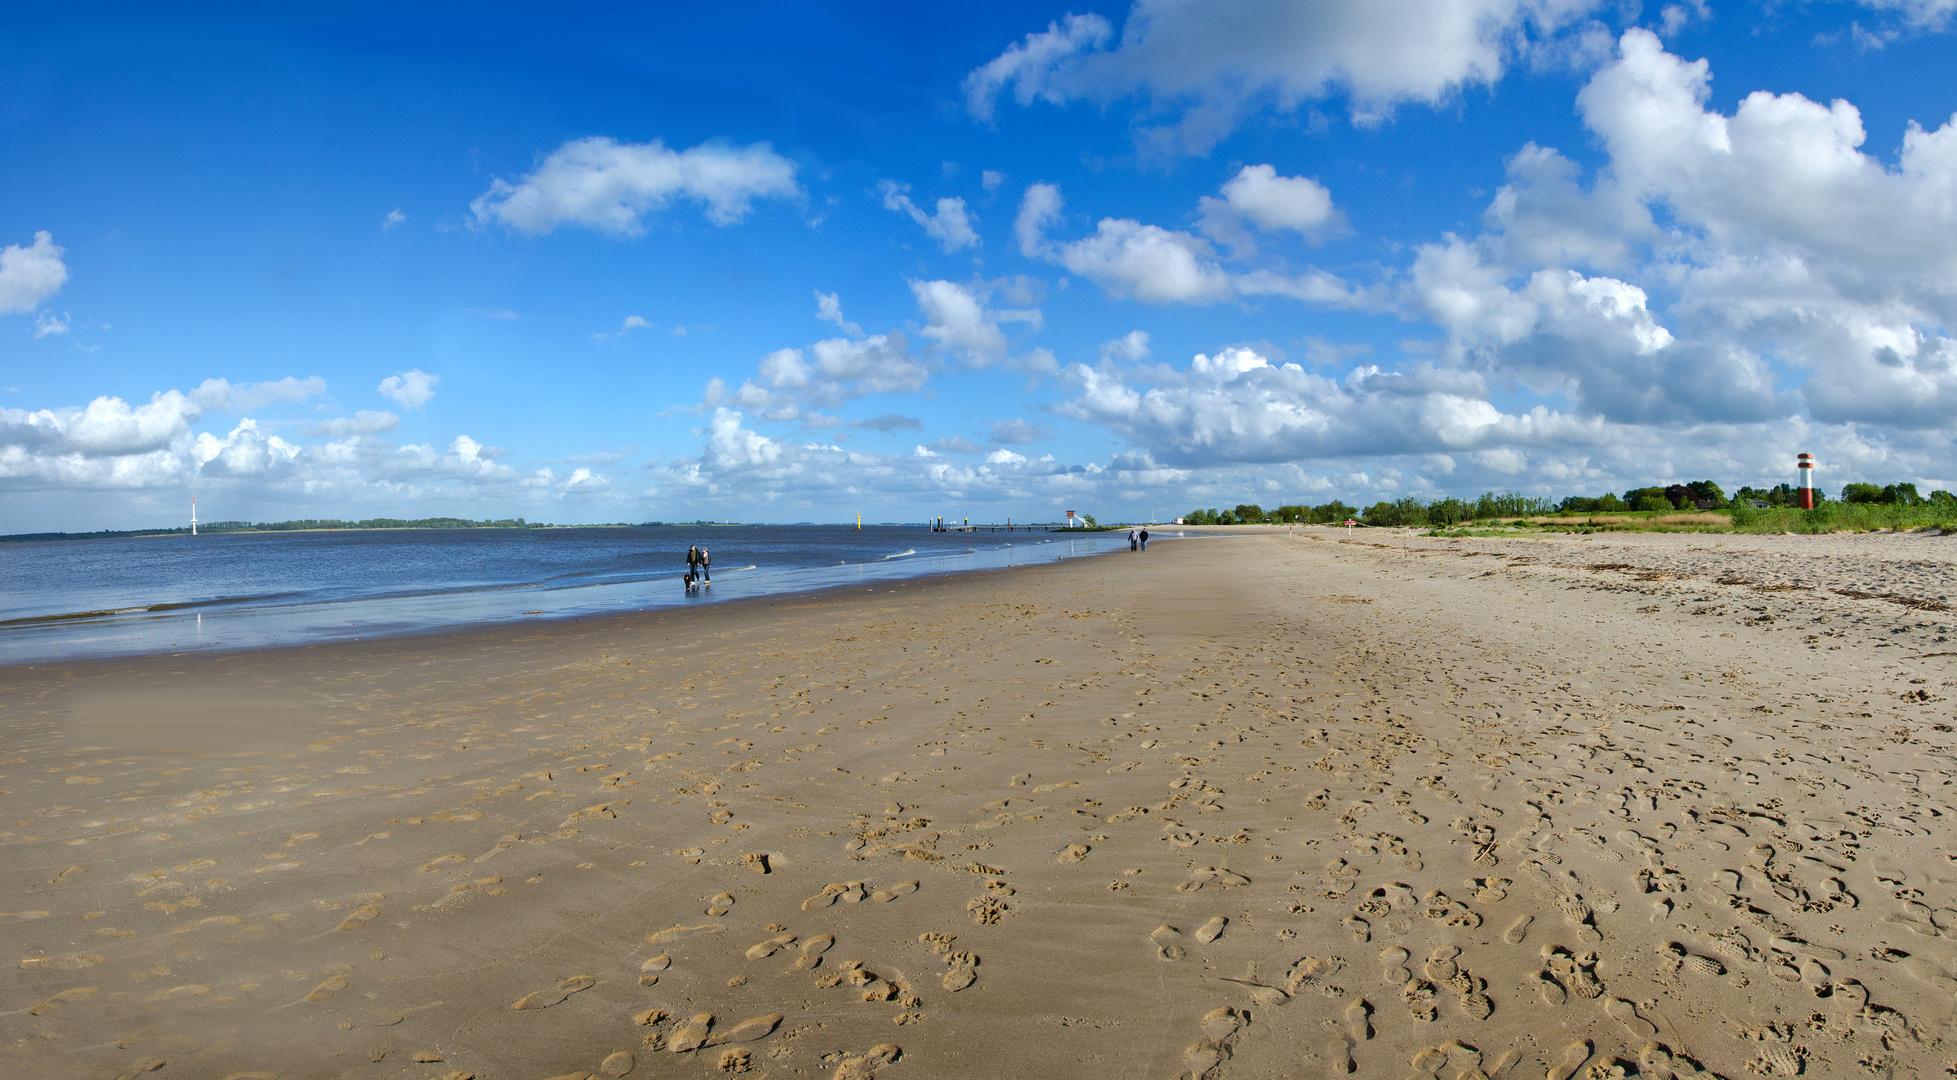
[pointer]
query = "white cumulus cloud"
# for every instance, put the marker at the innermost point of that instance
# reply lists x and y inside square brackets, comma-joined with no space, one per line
[611,186]
[950,225]
[411,389]
[958,319]
[1155,265]
[29,275]
[1258,198]
[1211,61]
[829,308]
[788,382]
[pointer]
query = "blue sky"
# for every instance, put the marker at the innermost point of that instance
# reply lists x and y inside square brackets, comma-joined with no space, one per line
[797,262]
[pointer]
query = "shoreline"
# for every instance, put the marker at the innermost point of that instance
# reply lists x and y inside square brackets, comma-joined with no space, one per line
[1284,806]
[139,630]
[498,631]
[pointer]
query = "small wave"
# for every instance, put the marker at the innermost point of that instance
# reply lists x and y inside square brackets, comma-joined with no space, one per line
[144,609]
[899,555]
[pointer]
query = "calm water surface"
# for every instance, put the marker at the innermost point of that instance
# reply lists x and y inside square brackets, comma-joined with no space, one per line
[73,598]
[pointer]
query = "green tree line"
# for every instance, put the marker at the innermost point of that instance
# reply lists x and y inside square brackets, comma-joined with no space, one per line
[1673,498]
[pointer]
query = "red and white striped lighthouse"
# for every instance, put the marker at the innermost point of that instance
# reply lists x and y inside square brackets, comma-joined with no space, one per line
[1805,463]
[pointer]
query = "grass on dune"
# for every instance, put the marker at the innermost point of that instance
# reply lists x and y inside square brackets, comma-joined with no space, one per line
[1826,518]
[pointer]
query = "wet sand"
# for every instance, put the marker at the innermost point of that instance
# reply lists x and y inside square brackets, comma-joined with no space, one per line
[1263,807]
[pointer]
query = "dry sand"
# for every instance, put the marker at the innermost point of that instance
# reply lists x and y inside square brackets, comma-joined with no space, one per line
[1257,807]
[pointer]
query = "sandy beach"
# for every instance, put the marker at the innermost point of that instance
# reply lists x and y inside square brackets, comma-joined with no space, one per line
[1262,806]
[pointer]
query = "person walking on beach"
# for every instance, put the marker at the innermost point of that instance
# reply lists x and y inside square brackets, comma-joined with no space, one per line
[1133,540]
[692,562]
[706,565]
[1144,538]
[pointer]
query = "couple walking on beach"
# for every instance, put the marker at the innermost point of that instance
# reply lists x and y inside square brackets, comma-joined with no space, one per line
[1138,538]
[699,565]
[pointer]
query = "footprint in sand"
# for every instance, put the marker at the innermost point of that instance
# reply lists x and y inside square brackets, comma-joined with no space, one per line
[849,891]
[1627,1014]
[506,843]
[1582,978]
[1778,1061]
[1310,970]
[1656,1058]
[1165,939]
[753,1029]
[649,971]
[618,1064]
[328,988]
[675,933]
[1428,1063]
[691,1035]
[1360,929]
[1552,991]
[1574,1055]
[1392,966]
[718,904]
[1074,853]
[1577,913]
[1419,996]
[544,999]
[1221,876]
[961,975]
[903,888]
[360,917]
[1465,1059]
[1220,1027]
[1338,1057]
[1211,930]
[1358,1020]
[770,947]
[69,962]
[1518,929]
[1490,890]
[865,1066]
[812,950]
[65,997]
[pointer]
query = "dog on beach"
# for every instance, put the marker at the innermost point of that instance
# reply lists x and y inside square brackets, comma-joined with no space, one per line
[692,583]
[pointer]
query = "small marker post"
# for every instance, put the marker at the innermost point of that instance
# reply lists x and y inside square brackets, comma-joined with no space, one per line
[1805,463]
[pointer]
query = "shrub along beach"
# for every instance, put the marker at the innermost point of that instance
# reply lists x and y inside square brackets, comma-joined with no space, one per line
[1700,506]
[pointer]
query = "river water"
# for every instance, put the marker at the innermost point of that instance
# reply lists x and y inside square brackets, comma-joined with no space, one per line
[74,598]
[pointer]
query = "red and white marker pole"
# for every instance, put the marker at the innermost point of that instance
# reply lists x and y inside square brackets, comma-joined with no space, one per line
[1805,463]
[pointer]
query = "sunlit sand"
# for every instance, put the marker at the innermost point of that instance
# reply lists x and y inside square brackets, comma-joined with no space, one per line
[1672,805]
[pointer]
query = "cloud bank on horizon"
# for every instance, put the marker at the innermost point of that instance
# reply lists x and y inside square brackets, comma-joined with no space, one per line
[1132,261]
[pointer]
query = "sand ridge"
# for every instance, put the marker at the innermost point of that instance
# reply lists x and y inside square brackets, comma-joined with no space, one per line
[1260,807]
